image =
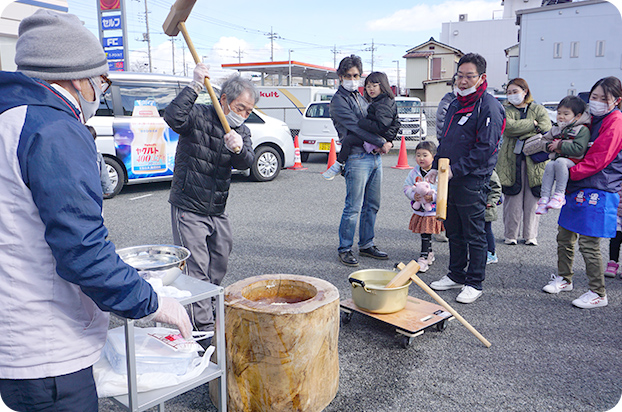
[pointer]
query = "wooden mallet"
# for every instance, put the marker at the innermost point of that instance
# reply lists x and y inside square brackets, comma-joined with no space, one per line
[443,185]
[402,281]
[176,22]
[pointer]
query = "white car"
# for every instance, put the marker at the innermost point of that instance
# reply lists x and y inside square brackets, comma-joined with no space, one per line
[317,130]
[551,108]
[141,148]
[414,123]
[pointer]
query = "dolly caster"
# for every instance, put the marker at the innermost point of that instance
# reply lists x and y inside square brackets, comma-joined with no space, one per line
[441,326]
[346,317]
[406,342]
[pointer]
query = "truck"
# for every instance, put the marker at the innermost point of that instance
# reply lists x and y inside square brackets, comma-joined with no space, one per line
[288,103]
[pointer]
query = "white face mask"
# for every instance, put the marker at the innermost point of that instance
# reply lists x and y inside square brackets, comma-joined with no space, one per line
[563,125]
[516,98]
[598,108]
[234,119]
[467,92]
[89,108]
[350,85]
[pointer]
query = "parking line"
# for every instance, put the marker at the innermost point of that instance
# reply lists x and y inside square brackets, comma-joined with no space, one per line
[141,197]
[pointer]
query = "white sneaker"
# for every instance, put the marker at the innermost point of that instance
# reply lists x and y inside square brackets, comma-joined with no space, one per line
[557,284]
[590,300]
[431,258]
[510,241]
[531,242]
[332,171]
[468,295]
[445,283]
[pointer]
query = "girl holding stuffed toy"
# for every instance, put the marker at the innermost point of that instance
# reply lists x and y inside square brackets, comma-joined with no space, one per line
[422,197]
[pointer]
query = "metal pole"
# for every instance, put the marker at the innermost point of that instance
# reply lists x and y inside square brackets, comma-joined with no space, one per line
[173,52]
[148,35]
[289,79]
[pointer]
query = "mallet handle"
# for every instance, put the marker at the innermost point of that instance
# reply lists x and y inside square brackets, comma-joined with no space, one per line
[221,115]
[444,304]
[443,186]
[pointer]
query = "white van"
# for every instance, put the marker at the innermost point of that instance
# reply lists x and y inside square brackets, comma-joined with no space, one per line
[288,103]
[413,120]
[130,160]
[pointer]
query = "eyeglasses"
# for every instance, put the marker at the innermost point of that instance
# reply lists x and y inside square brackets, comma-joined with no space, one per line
[471,77]
[106,83]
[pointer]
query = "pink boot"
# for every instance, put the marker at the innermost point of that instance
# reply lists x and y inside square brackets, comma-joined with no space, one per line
[541,209]
[612,269]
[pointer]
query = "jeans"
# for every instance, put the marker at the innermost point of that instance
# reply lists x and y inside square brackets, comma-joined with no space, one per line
[556,172]
[465,225]
[490,238]
[363,173]
[74,392]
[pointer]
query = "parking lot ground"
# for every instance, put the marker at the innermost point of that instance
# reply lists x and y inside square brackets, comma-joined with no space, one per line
[546,355]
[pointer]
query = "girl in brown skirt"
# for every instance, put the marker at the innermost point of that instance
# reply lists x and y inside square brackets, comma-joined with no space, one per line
[423,220]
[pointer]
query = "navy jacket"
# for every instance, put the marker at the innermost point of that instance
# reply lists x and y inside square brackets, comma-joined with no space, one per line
[471,137]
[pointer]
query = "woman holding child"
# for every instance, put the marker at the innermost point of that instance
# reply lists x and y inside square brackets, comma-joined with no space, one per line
[591,197]
[520,175]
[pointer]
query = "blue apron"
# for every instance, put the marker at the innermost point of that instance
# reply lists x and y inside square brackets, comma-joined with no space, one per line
[590,212]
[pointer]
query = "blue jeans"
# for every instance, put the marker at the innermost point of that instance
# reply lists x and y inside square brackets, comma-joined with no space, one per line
[465,226]
[67,393]
[363,173]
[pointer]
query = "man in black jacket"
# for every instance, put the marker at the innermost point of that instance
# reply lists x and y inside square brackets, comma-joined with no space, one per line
[473,125]
[203,162]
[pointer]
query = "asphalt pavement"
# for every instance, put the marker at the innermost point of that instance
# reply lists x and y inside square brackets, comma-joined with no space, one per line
[546,355]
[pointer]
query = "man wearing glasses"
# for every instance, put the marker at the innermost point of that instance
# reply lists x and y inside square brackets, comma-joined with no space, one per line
[58,274]
[363,171]
[473,125]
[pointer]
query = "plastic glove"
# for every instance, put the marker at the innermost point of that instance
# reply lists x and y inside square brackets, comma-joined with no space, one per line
[171,312]
[233,141]
[200,73]
[431,176]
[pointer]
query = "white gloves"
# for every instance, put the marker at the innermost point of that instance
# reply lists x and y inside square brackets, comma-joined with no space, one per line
[233,141]
[171,312]
[433,175]
[200,73]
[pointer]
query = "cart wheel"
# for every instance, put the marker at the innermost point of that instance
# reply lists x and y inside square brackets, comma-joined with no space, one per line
[406,342]
[346,317]
[441,326]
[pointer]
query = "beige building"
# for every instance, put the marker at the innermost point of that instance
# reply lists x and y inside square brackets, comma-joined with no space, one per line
[11,16]
[429,69]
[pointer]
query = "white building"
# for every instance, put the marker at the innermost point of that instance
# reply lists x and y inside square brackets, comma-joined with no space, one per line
[565,48]
[490,38]
[10,18]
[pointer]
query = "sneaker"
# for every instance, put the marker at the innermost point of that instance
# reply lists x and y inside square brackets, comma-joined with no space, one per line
[510,241]
[557,284]
[441,237]
[468,295]
[332,171]
[531,242]
[445,283]
[423,264]
[612,269]
[542,209]
[491,258]
[556,202]
[590,300]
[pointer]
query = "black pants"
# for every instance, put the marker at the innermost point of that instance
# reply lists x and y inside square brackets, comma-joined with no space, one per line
[426,244]
[74,392]
[346,147]
[465,225]
[490,238]
[614,247]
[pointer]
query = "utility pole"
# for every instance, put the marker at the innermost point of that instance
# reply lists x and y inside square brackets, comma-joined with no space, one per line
[372,54]
[335,56]
[183,57]
[240,52]
[148,36]
[173,52]
[272,36]
[398,76]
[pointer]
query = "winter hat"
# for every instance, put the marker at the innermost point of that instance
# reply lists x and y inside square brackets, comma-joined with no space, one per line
[57,46]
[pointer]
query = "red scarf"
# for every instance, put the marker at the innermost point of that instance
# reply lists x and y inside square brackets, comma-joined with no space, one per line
[467,101]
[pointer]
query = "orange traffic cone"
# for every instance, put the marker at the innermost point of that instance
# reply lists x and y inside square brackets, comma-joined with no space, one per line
[402,159]
[332,154]
[297,161]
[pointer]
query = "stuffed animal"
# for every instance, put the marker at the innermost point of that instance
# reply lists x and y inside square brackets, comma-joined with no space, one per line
[423,189]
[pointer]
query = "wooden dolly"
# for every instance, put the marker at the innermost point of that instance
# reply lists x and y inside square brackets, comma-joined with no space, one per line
[413,320]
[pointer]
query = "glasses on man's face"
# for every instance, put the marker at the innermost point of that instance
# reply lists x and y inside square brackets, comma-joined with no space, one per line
[106,83]
[349,76]
[468,77]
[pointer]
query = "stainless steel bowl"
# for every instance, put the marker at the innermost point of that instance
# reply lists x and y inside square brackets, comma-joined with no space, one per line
[154,257]
[369,292]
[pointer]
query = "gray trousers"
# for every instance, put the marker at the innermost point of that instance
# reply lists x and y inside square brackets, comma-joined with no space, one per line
[521,207]
[209,240]
[556,172]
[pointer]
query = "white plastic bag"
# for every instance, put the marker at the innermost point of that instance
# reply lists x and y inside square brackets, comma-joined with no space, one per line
[110,383]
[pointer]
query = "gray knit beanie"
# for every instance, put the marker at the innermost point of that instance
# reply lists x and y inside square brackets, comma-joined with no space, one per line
[57,46]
